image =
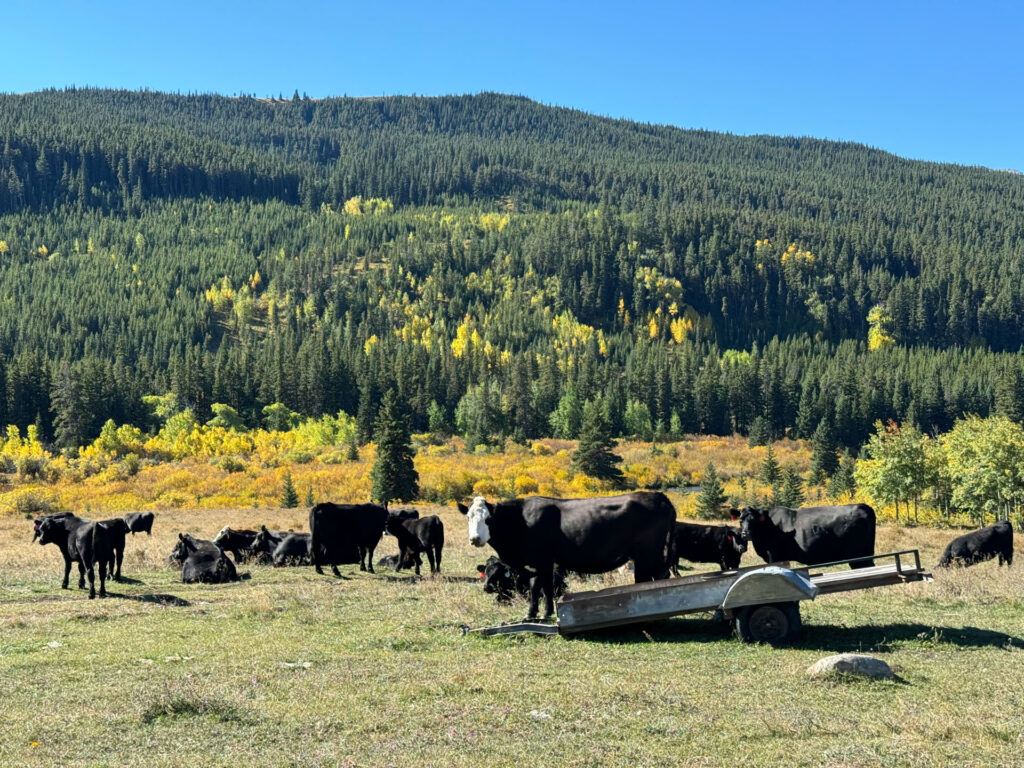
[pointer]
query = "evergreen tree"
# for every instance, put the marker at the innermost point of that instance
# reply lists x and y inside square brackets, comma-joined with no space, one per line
[310,501]
[760,434]
[824,459]
[791,494]
[1009,394]
[842,481]
[289,496]
[69,420]
[394,476]
[769,473]
[594,454]
[711,496]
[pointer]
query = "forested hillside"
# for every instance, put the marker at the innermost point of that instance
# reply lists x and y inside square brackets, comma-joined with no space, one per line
[497,261]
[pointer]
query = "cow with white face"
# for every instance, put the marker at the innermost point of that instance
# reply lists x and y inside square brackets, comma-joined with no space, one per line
[582,535]
[477,515]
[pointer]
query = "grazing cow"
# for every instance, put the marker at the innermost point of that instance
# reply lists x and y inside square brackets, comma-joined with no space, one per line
[706,544]
[416,536]
[118,529]
[293,550]
[981,545]
[140,521]
[345,533]
[87,543]
[238,542]
[505,582]
[202,561]
[811,535]
[582,535]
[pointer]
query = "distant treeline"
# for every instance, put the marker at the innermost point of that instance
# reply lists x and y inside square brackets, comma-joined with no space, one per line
[498,263]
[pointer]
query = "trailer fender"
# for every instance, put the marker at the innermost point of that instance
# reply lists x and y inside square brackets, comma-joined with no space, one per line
[770,584]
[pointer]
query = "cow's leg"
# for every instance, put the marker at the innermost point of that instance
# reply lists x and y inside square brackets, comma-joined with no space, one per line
[362,556]
[103,578]
[91,572]
[369,559]
[334,570]
[430,559]
[120,558]
[535,587]
[437,556]
[418,561]
[545,578]
[314,552]
[81,575]
[64,584]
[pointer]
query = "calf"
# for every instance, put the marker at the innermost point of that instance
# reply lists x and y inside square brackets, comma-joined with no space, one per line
[138,522]
[505,581]
[202,561]
[265,542]
[118,530]
[293,550]
[239,543]
[87,543]
[416,536]
[981,545]
[706,544]
[391,561]
[345,533]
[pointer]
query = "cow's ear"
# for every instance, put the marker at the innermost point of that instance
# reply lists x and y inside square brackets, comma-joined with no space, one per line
[481,568]
[734,514]
[181,537]
[508,574]
[462,508]
[761,517]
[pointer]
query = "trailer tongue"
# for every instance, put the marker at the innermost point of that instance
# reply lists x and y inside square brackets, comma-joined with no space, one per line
[762,602]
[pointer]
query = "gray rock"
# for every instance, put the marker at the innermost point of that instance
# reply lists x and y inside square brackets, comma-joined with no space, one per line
[851,664]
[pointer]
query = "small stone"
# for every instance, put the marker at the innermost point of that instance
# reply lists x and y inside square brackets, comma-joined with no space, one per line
[851,664]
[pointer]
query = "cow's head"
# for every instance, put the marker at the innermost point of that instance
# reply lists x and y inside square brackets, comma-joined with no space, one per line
[48,531]
[35,531]
[262,541]
[181,549]
[499,580]
[735,538]
[395,519]
[752,520]
[477,514]
[222,536]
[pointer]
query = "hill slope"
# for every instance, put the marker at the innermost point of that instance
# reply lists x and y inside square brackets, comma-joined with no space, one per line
[246,251]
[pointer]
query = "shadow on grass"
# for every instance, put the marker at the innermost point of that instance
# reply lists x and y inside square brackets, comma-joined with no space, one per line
[126,580]
[158,598]
[868,637]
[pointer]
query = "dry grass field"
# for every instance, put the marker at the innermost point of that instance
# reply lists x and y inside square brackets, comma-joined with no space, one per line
[294,669]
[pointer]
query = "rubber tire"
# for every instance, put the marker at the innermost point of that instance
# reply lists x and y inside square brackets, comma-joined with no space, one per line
[771,623]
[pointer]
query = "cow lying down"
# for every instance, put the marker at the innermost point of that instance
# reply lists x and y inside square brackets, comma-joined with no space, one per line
[505,581]
[203,561]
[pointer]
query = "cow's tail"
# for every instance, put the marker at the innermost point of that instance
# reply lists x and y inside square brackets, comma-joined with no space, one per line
[664,506]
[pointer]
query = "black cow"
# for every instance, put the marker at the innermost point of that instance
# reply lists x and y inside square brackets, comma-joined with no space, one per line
[140,521]
[293,550]
[345,533]
[981,545]
[67,523]
[202,561]
[582,535]
[238,542]
[505,582]
[118,530]
[811,535]
[391,561]
[706,544]
[265,542]
[416,536]
[87,543]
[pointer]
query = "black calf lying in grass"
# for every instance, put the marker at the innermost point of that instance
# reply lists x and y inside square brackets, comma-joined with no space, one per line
[505,581]
[416,537]
[203,561]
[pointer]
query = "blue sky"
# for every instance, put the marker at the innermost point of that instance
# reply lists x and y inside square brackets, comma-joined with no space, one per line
[938,81]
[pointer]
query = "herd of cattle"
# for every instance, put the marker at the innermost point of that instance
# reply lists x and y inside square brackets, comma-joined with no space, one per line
[537,540]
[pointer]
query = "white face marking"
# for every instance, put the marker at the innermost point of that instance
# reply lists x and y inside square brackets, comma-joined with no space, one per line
[476,520]
[222,535]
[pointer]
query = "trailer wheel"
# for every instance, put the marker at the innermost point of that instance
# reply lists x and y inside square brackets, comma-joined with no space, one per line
[771,623]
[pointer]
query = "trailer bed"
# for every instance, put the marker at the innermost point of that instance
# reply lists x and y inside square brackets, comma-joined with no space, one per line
[728,592]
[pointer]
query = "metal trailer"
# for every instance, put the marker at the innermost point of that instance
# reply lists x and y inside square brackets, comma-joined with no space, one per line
[762,602]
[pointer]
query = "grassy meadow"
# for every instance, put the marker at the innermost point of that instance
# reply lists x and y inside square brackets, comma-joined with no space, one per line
[290,668]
